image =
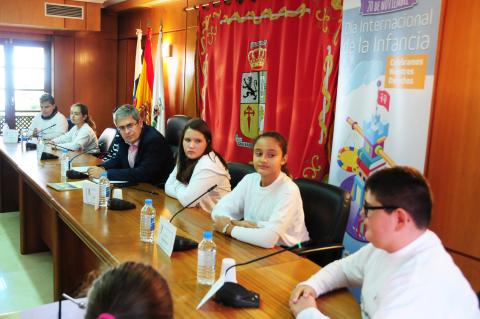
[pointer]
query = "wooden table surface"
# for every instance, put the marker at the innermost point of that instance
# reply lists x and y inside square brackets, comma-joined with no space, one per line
[82,238]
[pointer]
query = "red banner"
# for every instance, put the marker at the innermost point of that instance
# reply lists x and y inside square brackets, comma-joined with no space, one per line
[271,65]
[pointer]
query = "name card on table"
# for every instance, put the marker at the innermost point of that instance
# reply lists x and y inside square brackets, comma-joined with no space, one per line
[166,236]
[91,193]
[10,136]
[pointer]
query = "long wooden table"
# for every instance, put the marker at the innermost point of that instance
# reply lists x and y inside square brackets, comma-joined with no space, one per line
[83,239]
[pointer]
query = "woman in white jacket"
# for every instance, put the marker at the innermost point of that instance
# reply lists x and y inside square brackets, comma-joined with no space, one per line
[198,168]
[81,137]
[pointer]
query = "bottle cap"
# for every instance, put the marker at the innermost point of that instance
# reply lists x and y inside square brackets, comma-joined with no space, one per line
[148,202]
[207,234]
[64,151]
[103,174]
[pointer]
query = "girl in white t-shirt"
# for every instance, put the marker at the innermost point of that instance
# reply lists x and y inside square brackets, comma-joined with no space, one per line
[81,137]
[265,209]
[198,168]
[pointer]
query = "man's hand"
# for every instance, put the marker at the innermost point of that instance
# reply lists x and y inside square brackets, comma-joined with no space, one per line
[95,172]
[302,297]
[35,132]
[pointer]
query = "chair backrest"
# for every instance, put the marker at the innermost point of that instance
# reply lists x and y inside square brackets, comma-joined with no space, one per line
[173,131]
[106,139]
[238,171]
[326,209]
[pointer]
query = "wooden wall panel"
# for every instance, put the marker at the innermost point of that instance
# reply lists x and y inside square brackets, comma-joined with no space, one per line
[31,13]
[75,24]
[96,71]
[453,168]
[126,68]
[190,100]
[27,13]
[470,268]
[174,73]
[452,163]
[63,67]
[93,16]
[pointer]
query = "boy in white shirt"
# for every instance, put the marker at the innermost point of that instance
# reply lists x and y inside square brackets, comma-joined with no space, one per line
[50,122]
[404,271]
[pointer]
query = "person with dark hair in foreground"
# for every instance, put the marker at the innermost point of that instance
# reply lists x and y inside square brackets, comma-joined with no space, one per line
[129,291]
[404,272]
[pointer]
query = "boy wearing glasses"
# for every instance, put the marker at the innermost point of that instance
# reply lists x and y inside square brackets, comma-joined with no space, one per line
[404,271]
[143,154]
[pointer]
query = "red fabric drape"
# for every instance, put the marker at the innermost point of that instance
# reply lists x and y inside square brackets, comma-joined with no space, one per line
[271,65]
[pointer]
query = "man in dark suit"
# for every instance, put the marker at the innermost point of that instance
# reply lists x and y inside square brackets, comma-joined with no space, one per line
[143,155]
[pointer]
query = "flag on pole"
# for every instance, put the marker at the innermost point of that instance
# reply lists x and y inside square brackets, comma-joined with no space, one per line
[158,101]
[143,95]
[138,63]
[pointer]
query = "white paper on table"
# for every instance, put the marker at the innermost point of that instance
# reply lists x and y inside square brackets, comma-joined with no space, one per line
[10,136]
[166,236]
[215,287]
[81,169]
[91,193]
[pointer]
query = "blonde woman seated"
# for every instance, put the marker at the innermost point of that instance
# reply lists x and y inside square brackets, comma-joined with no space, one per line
[268,201]
[81,137]
[198,168]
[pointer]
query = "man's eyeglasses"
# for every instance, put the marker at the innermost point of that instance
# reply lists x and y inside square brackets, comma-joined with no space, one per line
[367,207]
[127,127]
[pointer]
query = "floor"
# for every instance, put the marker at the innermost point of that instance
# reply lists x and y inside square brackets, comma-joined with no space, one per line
[25,280]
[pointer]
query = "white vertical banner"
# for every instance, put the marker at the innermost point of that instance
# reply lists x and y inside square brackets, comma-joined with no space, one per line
[138,61]
[158,94]
[385,85]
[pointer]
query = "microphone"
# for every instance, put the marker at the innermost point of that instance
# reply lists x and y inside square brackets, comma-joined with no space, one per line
[73,174]
[235,295]
[32,146]
[183,243]
[29,137]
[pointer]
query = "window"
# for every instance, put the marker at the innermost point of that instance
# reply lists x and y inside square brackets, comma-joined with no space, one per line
[24,76]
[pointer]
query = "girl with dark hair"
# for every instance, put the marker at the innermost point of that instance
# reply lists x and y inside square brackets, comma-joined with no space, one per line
[265,208]
[198,168]
[82,136]
[129,291]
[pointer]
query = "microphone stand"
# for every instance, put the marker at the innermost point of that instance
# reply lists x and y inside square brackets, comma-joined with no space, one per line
[183,243]
[72,173]
[30,136]
[235,295]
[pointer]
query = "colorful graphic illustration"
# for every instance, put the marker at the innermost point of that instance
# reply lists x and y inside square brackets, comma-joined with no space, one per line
[364,160]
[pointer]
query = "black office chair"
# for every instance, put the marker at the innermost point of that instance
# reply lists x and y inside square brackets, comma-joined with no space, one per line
[173,131]
[238,171]
[106,139]
[326,210]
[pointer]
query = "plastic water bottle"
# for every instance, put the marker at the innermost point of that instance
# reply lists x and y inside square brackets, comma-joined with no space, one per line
[206,260]
[147,222]
[64,166]
[104,185]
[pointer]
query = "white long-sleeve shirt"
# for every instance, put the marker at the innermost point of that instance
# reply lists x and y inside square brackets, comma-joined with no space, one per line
[276,209]
[60,122]
[208,172]
[418,281]
[79,139]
